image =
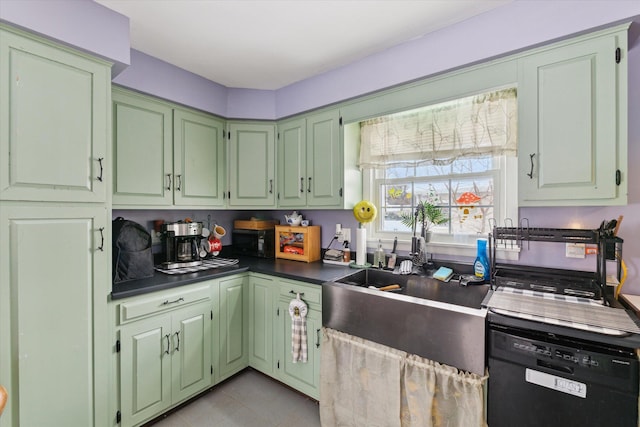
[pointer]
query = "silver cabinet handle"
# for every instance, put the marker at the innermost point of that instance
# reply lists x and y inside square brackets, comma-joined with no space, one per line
[294,292]
[271,186]
[177,334]
[302,184]
[168,187]
[168,344]
[178,182]
[309,187]
[167,302]
[317,338]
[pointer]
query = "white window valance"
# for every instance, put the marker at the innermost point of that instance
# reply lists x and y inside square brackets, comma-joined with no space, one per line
[475,126]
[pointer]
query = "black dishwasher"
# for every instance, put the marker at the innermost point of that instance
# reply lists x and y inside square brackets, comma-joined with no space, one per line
[560,351]
[539,379]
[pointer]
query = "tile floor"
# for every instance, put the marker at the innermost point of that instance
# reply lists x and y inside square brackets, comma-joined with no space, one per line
[250,399]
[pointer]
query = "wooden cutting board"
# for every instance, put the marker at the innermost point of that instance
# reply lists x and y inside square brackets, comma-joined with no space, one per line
[632,301]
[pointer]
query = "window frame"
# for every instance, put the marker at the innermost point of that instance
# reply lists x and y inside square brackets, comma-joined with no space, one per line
[505,206]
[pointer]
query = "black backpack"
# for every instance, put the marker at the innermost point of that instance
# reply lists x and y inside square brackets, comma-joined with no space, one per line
[132,257]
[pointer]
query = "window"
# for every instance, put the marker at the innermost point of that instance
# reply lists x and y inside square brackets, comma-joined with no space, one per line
[458,156]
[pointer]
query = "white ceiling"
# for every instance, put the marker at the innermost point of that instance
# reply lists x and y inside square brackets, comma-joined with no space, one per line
[269,44]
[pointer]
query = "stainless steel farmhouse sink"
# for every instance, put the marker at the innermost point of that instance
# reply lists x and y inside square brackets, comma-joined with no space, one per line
[440,321]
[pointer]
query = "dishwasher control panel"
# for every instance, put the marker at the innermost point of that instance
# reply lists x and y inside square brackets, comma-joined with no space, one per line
[571,358]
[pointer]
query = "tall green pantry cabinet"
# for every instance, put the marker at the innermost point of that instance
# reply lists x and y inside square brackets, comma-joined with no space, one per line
[54,233]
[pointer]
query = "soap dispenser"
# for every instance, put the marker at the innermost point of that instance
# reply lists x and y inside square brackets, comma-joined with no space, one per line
[378,256]
[481,264]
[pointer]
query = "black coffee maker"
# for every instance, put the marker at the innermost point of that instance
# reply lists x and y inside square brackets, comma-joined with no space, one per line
[181,244]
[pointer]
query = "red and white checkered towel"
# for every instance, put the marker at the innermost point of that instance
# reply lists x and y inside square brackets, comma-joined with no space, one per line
[298,312]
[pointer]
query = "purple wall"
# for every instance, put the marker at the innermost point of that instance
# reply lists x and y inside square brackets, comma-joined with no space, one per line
[159,78]
[501,31]
[83,24]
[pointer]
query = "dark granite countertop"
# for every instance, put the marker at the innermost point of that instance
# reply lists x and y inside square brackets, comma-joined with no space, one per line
[314,272]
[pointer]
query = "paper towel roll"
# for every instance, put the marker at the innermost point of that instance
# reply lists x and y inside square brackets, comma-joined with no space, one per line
[361,246]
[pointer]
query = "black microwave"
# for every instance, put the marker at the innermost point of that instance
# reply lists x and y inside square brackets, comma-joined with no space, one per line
[258,243]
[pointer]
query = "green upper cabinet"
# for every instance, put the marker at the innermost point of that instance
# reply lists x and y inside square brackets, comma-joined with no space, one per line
[142,149]
[573,123]
[54,115]
[324,160]
[165,156]
[198,159]
[316,167]
[292,163]
[252,165]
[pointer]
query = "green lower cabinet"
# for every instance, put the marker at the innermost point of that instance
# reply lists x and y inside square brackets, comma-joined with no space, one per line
[262,291]
[303,376]
[164,360]
[270,331]
[53,316]
[233,325]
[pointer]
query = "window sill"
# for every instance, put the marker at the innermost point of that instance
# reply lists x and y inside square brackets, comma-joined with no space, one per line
[442,249]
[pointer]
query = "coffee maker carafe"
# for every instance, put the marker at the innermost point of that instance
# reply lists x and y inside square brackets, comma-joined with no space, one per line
[181,241]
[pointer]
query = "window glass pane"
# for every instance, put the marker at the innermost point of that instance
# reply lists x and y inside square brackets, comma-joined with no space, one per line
[473,201]
[391,220]
[397,172]
[472,165]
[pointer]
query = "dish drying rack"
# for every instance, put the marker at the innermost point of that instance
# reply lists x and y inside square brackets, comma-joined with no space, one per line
[609,246]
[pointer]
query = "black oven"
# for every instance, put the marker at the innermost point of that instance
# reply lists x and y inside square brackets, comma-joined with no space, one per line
[257,243]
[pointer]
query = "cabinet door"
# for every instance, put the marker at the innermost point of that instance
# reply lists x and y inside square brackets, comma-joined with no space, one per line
[54,114]
[252,165]
[54,345]
[142,148]
[145,369]
[198,159]
[191,351]
[233,325]
[569,124]
[324,160]
[304,377]
[261,319]
[292,164]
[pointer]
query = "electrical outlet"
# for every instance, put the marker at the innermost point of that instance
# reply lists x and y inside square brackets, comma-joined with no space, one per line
[155,237]
[346,234]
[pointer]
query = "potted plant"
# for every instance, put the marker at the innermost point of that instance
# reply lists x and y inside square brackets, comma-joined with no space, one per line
[427,213]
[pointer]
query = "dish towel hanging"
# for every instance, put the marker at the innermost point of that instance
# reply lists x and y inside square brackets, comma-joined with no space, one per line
[298,313]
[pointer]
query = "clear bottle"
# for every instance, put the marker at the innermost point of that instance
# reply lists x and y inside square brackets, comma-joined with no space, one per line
[378,256]
[346,252]
[481,264]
